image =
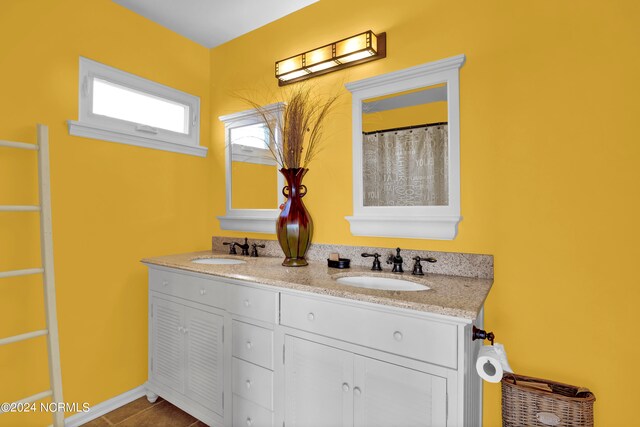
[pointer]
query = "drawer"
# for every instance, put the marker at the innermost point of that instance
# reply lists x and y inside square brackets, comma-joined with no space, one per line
[192,288]
[253,344]
[252,383]
[427,340]
[253,303]
[246,413]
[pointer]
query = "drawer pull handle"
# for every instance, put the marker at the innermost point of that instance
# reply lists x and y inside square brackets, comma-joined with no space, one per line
[249,345]
[203,291]
[247,303]
[311,317]
[249,421]
[165,283]
[357,391]
[180,329]
[397,335]
[345,387]
[248,383]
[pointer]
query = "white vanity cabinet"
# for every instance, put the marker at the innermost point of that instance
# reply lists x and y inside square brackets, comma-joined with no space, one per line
[255,314]
[326,386]
[233,353]
[186,351]
[186,343]
[347,363]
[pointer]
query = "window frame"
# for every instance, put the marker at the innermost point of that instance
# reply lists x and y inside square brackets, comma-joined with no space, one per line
[106,128]
[411,222]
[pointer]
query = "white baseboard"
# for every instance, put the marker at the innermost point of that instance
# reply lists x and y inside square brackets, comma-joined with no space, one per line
[102,408]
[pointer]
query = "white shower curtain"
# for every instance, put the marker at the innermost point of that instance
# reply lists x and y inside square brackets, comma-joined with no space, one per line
[406,167]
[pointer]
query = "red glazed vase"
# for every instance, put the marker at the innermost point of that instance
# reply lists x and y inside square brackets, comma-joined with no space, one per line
[294,227]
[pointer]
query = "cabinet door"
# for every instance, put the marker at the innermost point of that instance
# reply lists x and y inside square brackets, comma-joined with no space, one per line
[318,385]
[388,395]
[205,358]
[168,363]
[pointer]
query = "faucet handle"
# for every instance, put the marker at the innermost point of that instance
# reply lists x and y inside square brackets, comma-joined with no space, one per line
[376,261]
[254,249]
[232,247]
[417,267]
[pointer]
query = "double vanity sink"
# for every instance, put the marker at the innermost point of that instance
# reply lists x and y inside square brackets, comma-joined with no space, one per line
[237,340]
[360,281]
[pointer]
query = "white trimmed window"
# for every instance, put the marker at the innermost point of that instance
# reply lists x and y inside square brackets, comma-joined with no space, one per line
[120,107]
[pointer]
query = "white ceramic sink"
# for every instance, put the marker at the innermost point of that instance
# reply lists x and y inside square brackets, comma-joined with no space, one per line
[381,283]
[217,261]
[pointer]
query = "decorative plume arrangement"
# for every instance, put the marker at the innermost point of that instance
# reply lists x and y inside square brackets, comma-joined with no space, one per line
[294,142]
[301,127]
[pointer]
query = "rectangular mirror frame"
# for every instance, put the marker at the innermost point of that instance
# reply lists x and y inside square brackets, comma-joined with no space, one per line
[426,222]
[251,220]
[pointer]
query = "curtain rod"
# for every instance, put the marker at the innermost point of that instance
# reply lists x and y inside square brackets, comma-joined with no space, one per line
[426,125]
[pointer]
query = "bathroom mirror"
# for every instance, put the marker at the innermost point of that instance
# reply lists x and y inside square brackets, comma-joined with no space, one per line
[406,147]
[253,182]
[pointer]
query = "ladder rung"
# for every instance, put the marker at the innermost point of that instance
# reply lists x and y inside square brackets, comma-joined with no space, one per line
[23,337]
[33,398]
[21,145]
[26,272]
[19,208]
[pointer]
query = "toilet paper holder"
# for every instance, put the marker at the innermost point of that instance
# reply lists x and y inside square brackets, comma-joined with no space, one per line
[481,334]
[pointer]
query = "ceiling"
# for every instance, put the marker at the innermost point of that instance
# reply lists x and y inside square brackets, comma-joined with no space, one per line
[213,22]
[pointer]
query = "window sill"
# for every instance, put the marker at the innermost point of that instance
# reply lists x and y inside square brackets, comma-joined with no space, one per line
[255,220]
[77,128]
[410,227]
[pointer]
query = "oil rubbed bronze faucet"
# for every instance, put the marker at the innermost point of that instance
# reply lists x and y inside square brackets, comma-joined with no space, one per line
[376,262]
[254,249]
[244,247]
[232,247]
[396,261]
[417,267]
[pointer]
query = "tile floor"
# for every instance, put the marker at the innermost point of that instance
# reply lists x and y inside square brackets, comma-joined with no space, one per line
[141,413]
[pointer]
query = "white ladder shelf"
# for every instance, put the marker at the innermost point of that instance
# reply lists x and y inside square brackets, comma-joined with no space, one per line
[46,243]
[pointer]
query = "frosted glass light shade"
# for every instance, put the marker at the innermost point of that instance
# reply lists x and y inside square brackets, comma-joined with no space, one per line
[363,47]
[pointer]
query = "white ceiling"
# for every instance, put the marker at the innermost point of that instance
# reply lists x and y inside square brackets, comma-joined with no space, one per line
[213,22]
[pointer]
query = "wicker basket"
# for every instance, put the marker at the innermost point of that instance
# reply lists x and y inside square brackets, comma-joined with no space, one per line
[525,402]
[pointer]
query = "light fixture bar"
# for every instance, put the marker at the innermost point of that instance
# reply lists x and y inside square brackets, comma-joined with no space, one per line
[354,50]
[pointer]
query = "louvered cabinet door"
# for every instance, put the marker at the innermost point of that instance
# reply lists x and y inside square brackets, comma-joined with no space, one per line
[318,385]
[168,363]
[387,395]
[205,360]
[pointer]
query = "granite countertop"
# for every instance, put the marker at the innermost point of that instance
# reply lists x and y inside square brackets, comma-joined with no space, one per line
[448,295]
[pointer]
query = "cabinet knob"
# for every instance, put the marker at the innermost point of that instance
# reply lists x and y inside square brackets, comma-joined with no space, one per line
[249,345]
[357,391]
[311,317]
[249,421]
[345,387]
[248,383]
[247,303]
[203,291]
[397,335]
[180,329]
[165,283]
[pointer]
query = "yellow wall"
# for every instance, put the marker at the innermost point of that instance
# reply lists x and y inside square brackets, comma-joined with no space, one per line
[549,176]
[550,160]
[113,204]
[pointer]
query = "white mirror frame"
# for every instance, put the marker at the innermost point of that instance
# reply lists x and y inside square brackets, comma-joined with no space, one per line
[426,222]
[252,220]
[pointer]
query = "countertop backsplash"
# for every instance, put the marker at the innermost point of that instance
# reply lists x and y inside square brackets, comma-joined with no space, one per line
[449,263]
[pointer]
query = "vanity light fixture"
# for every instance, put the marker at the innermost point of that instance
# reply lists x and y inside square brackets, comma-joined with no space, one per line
[358,49]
